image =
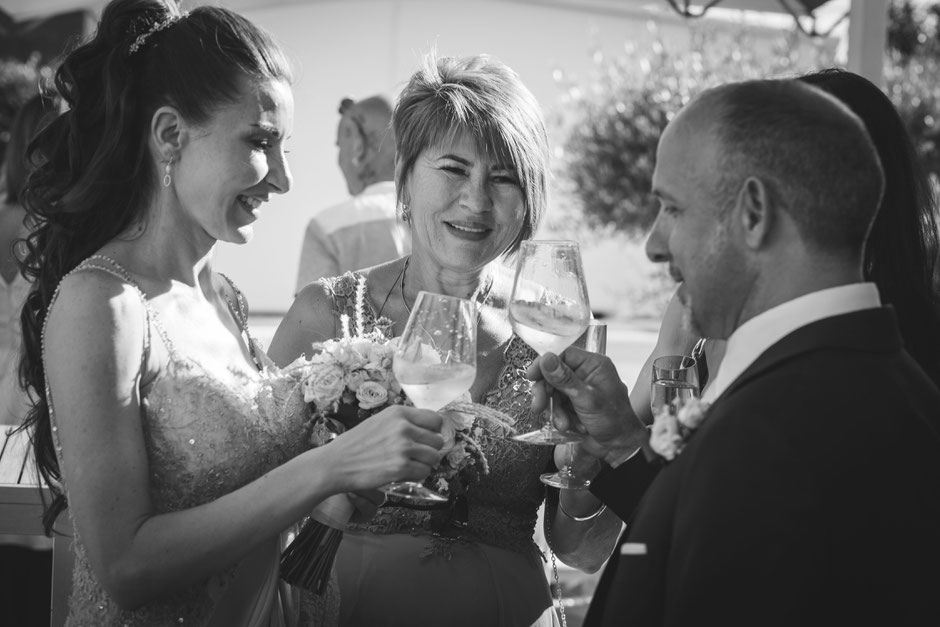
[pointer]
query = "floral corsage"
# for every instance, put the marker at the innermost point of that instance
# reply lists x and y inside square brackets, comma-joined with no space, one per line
[673,428]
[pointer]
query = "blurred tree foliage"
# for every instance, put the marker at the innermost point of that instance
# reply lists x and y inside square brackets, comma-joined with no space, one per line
[912,75]
[611,126]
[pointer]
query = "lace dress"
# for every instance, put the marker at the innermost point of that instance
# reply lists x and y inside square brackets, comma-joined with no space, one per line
[474,563]
[207,433]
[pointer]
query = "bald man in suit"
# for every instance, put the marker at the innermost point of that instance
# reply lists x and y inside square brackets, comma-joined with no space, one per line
[809,494]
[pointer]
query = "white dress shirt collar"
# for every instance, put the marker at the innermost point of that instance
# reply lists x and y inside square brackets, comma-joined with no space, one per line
[761,332]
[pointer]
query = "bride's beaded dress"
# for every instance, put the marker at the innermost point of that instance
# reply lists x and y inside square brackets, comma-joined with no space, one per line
[473,563]
[207,433]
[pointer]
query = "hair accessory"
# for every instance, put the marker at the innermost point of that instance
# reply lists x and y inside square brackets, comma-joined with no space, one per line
[166,173]
[155,28]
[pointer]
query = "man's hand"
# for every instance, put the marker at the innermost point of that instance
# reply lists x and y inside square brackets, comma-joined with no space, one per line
[595,401]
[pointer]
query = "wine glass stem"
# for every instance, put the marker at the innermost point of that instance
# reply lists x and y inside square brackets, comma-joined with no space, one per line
[550,415]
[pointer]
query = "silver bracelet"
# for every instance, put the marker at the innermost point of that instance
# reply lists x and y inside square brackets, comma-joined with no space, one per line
[592,516]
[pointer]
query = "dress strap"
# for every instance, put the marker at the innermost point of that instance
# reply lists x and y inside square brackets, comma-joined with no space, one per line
[109,266]
[239,311]
[112,267]
[353,310]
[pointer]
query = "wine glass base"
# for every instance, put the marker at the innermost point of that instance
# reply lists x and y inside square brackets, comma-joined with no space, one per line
[413,491]
[564,481]
[548,437]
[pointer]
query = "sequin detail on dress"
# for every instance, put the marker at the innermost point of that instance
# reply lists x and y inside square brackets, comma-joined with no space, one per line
[206,434]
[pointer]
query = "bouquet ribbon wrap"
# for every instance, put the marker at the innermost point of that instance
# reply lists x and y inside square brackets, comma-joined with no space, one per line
[307,562]
[334,512]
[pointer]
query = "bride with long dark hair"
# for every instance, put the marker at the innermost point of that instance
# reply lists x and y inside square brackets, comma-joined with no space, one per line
[157,421]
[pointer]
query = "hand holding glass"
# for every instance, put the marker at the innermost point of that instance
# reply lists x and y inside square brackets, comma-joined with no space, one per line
[436,362]
[594,340]
[549,309]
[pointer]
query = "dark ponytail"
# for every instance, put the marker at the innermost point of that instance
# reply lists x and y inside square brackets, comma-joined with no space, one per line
[95,174]
[901,254]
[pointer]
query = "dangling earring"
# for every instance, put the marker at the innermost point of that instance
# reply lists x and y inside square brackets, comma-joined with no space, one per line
[405,213]
[166,173]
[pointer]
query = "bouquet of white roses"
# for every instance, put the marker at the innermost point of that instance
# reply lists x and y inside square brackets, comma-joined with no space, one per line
[344,382]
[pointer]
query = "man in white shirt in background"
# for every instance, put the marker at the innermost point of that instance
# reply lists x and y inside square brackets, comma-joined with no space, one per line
[364,230]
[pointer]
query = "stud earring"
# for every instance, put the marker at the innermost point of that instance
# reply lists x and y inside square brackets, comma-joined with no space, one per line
[166,173]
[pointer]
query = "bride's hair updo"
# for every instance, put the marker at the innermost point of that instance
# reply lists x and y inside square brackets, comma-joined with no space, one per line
[483,97]
[94,172]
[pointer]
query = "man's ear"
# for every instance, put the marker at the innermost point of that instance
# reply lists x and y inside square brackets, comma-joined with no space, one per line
[167,132]
[756,212]
[358,148]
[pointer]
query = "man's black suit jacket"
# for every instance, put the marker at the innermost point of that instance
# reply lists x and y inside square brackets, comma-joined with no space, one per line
[809,496]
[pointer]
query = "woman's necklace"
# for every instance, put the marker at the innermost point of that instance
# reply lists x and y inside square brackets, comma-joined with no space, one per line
[483,290]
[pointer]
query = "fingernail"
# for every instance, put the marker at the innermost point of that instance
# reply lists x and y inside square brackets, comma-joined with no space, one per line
[550,362]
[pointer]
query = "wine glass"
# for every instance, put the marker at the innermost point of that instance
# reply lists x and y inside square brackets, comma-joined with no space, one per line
[674,382]
[549,309]
[436,361]
[594,340]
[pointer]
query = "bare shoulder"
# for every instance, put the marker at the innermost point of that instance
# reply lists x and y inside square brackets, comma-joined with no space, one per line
[310,319]
[96,319]
[382,278]
[93,301]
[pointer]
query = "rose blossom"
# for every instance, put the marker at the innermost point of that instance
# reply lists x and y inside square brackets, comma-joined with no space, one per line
[664,436]
[324,385]
[354,379]
[692,413]
[371,395]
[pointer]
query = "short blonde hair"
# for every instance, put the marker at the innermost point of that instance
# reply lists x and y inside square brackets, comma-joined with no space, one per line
[481,96]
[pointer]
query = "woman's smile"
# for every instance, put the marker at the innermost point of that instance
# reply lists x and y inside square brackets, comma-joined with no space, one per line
[251,204]
[470,231]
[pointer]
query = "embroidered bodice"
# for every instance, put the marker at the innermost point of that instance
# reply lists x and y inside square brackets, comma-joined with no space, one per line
[501,509]
[206,433]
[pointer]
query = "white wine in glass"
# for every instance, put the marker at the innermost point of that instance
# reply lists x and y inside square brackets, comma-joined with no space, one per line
[594,340]
[674,383]
[549,310]
[436,362]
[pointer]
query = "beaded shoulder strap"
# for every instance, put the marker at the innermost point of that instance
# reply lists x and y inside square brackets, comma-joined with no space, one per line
[111,267]
[239,310]
[115,269]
